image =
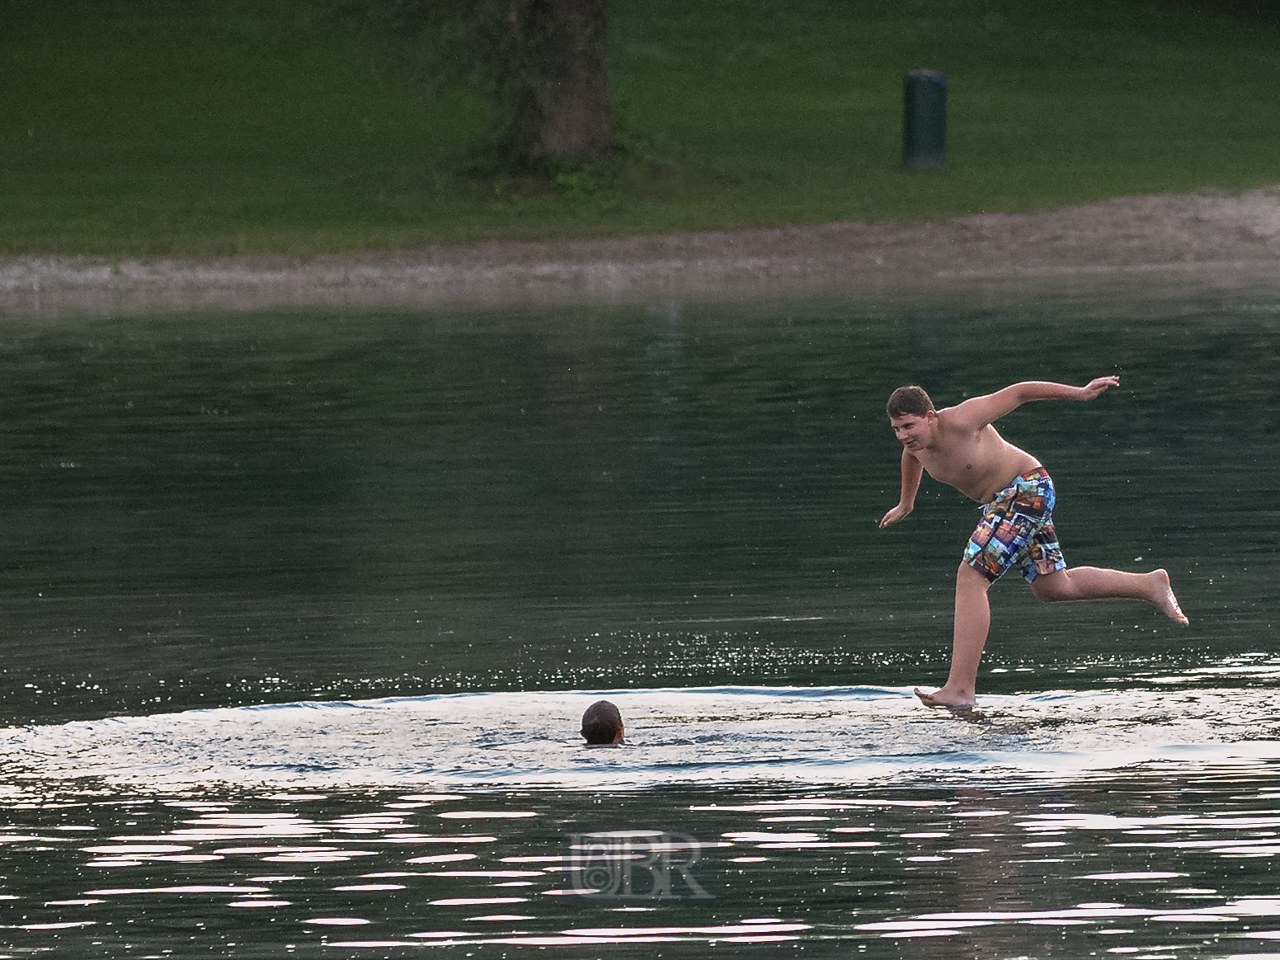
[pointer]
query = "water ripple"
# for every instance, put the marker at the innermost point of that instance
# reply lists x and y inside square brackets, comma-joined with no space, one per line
[699,735]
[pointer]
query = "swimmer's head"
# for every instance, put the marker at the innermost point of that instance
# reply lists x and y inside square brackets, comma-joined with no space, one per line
[909,401]
[602,723]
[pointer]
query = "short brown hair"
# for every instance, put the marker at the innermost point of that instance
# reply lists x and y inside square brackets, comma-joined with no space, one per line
[601,723]
[909,401]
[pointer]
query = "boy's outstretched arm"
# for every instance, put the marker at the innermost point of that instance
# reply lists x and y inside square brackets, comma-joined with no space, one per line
[979,411]
[911,473]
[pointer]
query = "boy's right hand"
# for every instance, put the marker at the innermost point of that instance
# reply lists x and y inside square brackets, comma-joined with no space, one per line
[894,515]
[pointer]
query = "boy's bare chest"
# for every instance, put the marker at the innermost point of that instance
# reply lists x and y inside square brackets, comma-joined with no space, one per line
[977,464]
[957,471]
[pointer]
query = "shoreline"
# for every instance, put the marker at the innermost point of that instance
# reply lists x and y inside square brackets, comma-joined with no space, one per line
[1212,240]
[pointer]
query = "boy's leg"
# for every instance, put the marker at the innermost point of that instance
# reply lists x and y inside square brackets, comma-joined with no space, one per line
[1094,583]
[973,621]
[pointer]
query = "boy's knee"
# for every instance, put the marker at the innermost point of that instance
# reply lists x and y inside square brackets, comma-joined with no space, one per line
[1050,588]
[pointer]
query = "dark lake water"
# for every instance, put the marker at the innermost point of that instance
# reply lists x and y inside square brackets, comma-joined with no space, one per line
[300,612]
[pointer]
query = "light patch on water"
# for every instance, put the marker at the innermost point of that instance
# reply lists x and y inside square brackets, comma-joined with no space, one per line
[950,924]
[701,735]
[769,846]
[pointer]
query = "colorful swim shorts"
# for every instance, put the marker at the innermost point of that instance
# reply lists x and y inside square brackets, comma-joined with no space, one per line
[1017,527]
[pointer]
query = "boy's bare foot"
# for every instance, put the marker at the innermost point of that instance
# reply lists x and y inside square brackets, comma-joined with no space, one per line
[1164,599]
[945,698]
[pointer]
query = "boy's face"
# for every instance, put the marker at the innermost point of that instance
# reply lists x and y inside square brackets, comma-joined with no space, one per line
[913,432]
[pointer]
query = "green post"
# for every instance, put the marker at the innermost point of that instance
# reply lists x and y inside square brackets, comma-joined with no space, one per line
[924,119]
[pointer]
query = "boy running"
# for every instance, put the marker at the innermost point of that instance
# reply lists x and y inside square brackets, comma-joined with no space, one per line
[960,447]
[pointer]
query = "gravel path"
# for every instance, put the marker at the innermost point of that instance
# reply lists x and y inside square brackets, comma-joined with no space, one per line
[1229,240]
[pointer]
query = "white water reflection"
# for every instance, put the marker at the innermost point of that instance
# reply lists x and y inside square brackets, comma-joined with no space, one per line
[722,735]
[939,924]
[1139,863]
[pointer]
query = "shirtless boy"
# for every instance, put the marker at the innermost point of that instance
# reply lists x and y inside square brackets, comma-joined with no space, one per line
[959,446]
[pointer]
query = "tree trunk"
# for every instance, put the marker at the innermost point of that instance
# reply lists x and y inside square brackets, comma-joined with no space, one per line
[566,114]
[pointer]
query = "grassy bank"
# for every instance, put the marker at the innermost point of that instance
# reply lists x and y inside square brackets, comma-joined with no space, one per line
[222,126]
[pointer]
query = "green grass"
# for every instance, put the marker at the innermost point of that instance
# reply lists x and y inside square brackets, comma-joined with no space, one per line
[135,127]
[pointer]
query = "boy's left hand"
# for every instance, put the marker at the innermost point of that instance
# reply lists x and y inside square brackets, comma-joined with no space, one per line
[1096,387]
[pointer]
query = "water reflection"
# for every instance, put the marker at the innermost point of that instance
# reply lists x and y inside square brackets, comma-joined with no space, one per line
[690,735]
[220,510]
[1137,864]
[302,611]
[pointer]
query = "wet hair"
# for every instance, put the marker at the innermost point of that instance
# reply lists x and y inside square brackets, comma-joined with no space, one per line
[602,723]
[909,401]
